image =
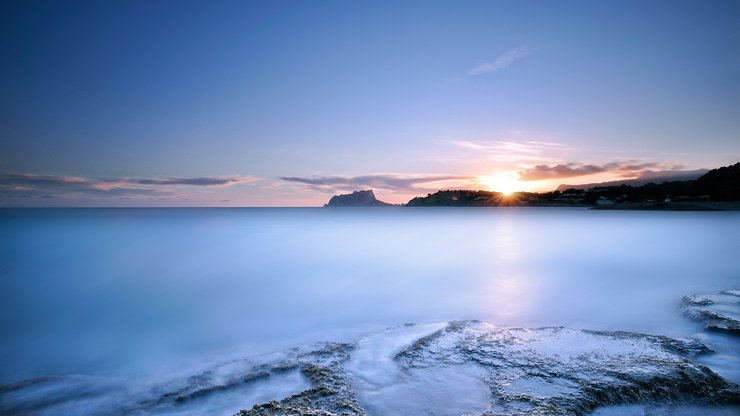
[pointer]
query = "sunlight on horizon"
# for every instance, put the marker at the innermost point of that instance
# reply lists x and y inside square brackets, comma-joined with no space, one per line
[505,182]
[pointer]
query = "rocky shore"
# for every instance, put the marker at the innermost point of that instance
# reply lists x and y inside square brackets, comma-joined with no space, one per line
[717,311]
[447,368]
[541,371]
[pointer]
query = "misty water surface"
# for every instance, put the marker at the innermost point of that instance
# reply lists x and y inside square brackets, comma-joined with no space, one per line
[140,292]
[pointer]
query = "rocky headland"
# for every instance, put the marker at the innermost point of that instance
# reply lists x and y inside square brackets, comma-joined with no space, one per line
[356,199]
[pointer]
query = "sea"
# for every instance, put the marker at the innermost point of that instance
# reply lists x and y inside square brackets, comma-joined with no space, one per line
[140,297]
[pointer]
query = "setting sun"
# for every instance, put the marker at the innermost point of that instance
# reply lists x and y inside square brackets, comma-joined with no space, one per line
[505,182]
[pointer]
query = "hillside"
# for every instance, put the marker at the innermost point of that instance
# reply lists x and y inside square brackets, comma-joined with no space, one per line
[356,199]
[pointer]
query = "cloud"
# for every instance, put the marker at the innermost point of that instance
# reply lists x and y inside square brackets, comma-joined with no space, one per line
[388,182]
[537,160]
[501,62]
[49,186]
[571,170]
[201,181]
[513,151]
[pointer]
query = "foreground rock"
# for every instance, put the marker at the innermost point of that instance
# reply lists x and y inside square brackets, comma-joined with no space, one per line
[542,371]
[445,369]
[356,199]
[331,393]
[717,311]
[559,371]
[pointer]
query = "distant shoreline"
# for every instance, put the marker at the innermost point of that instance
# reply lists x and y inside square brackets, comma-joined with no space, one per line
[679,206]
[674,206]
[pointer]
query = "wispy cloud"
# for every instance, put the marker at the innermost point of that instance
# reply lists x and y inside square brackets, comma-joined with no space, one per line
[538,160]
[513,151]
[199,181]
[389,182]
[501,62]
[628,169]
[49,186]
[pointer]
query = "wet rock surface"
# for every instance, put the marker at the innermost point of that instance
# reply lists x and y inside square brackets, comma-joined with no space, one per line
[541,371]
[403,370]
[717,311]
[559,371]
[276,374]
[331,393]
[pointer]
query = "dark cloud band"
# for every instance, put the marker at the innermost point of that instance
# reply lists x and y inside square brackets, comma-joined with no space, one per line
[390,182]
[572,170]
[47,186]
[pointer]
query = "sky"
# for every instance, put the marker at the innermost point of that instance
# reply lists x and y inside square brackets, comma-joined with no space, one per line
[285,103]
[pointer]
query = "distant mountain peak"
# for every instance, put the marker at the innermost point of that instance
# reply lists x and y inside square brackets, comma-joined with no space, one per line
[365,198]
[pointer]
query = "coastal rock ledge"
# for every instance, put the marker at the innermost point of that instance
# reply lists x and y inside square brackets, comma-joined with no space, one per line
[446,369]
[717,311]
[541,371]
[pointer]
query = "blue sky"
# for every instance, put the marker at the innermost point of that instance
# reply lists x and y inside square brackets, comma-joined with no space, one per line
[285,103]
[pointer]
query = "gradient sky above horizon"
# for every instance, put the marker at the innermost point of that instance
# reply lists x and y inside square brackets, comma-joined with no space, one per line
[195,103]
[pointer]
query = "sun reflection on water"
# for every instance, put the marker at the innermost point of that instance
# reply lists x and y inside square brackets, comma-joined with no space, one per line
[508,291]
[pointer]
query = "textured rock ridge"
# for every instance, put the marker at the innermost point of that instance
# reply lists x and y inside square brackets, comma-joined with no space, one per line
[532,372]
[330,395]
[515,371]
[717,311]
[559,371]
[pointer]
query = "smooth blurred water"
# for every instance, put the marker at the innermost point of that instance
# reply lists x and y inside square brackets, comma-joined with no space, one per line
[138,292]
